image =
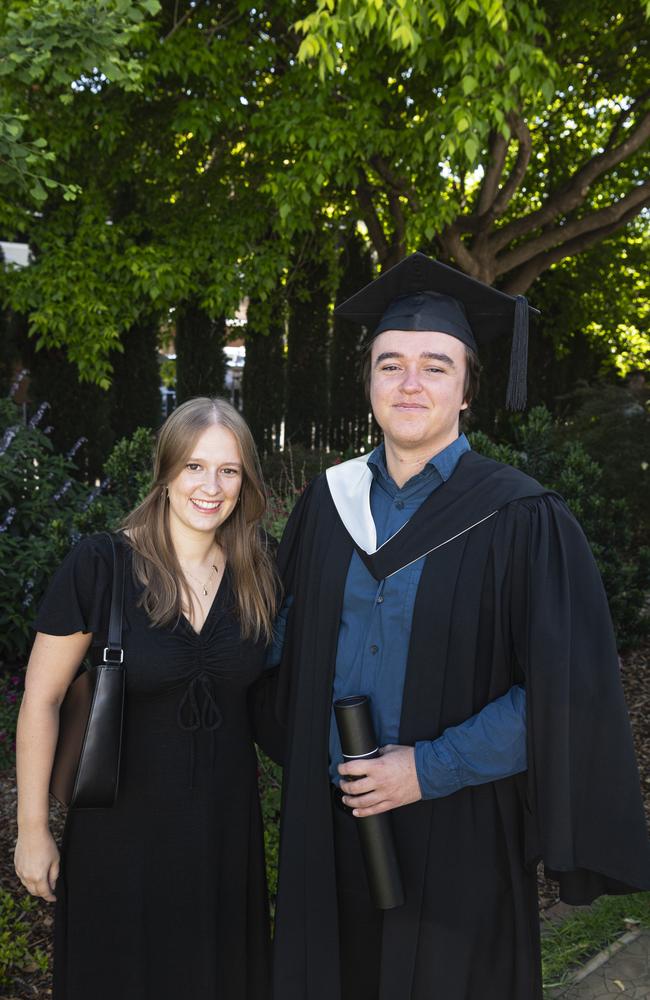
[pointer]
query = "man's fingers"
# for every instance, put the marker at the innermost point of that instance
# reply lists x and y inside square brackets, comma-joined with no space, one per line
[358,768]
[371,798]
[358,787]
[380,807]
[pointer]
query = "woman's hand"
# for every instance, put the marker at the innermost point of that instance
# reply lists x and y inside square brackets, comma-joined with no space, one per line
[37,863]
[51,668]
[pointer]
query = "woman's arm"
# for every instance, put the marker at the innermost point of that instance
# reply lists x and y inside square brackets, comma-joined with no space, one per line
[52,666]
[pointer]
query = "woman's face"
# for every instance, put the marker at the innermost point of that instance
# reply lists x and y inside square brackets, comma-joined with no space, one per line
[204,493]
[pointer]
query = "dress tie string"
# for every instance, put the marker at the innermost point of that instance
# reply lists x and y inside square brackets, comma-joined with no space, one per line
[198,709]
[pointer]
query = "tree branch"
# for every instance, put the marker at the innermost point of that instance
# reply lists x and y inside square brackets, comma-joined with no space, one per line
[518,172]
[571,196]
[369,215]
[497,150]
[455,248]
[521,280]
[177,23]
[397,248]
[394,181]
[559,235]
[624,115]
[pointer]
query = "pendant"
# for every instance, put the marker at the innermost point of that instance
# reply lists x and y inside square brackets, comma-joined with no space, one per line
[205,591]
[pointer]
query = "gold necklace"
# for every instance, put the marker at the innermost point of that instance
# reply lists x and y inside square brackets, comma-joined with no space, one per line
[204,586]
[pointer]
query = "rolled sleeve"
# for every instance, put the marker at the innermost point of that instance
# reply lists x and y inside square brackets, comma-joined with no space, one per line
[489,746]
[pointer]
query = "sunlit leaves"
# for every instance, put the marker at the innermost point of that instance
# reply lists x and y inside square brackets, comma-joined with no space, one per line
[56,47]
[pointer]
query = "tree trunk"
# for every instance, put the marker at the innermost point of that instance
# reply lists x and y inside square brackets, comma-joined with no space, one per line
[264,371]
[308,332]
[77,409]
[200,361]
[135,392]
[349,409]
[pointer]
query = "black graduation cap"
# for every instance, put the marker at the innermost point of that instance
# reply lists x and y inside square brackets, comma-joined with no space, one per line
[422,294]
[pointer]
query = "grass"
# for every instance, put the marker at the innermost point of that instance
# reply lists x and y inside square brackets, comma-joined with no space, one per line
[586,932]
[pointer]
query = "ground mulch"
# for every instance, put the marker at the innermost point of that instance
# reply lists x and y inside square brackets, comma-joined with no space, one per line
[32,983]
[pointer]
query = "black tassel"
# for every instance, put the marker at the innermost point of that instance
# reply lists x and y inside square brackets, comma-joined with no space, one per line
[516,396]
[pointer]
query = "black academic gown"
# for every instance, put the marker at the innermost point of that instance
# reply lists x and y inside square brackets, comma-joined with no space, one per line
[516,599]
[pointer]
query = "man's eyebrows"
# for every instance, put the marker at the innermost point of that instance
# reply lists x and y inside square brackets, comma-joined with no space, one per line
[426,355]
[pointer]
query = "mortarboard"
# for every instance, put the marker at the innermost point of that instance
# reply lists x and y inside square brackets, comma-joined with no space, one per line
[422,294]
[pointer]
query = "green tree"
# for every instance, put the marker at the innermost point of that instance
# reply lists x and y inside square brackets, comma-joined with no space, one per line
[507,135]
[48,47]
[348,406]
[134,396]
[265,370]
[504,136]
[307,343]
[200,340]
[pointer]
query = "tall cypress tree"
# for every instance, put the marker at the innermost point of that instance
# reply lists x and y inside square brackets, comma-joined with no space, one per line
[264,371]
[13,329]
[349,421]
[135,392]
[77,409]
[200,361]
[307,341]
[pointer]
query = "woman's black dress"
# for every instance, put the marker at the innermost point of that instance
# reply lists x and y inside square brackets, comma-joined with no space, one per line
[163,897]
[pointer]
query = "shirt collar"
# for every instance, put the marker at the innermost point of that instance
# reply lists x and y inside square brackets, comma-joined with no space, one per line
[444,463]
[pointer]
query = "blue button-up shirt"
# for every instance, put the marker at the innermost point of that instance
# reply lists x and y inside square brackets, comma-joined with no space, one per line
[373,647]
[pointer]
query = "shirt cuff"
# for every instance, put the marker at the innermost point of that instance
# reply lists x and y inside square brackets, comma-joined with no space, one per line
[436,770]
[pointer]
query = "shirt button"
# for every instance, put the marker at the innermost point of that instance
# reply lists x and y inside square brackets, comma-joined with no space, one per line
[380,600]
[399,504]
[374,649]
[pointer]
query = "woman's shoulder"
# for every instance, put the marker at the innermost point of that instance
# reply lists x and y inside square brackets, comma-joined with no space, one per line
[96,551]
[99,543]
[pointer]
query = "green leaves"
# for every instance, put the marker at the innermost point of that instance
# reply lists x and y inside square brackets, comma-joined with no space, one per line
[195,150]
[57,48]
[469,84]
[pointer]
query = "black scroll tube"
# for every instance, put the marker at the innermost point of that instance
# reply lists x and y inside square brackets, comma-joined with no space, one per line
[358,740]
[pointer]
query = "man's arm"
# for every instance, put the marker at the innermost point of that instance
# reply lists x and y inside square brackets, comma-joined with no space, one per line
[487,747]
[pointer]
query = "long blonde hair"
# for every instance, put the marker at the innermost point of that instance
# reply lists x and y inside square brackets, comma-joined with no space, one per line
[155,562]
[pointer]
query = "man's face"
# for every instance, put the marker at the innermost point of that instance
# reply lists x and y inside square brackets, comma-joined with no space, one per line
[416,388]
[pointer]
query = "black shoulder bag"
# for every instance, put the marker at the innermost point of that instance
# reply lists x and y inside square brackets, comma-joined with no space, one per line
[86,768]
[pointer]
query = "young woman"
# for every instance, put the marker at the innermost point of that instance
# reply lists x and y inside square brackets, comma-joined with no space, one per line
[163,896]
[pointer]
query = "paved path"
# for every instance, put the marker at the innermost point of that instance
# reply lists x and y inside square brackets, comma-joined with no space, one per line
[622,971]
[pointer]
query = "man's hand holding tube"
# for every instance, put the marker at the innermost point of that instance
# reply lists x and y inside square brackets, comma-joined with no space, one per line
[375,786]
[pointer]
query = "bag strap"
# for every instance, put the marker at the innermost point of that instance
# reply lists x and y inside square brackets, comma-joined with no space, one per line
[113,652]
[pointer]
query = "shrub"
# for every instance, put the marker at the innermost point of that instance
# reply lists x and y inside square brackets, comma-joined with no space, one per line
[613,426]
[270,784]
[45,507]
[129,468]
[11,687]
[17,954]
[608,523]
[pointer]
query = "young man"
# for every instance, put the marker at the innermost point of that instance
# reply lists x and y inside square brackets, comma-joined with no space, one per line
[463,599]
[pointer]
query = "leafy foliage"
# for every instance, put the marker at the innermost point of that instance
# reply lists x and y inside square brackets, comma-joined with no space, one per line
[613,426]
[47,506]
[17,953]
[501,135]
[10,696]
[610,527]
[270,784]
[54,47]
